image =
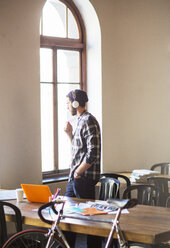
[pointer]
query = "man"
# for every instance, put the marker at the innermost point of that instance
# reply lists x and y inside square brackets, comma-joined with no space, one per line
[86,151]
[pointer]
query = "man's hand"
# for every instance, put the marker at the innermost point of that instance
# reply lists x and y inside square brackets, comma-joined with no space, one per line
[68,129]
[81,169]
[76,175]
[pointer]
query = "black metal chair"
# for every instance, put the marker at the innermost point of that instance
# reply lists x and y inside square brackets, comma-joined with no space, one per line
[164,168]
[109,188]
[119,177]
[168,202]
[3,225]
[145,194]
[163,184]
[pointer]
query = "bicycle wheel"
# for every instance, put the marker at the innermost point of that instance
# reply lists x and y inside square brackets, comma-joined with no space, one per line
[33,239]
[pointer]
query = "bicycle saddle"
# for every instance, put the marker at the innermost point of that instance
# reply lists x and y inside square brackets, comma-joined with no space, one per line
[123,203]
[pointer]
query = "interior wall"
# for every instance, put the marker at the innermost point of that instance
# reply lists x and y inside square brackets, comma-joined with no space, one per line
[20,159]
[135,82]
[135,86]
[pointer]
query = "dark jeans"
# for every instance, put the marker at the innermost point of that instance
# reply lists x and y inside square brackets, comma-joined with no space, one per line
[82,188]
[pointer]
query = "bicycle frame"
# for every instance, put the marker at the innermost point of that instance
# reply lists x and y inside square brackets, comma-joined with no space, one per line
[115,227]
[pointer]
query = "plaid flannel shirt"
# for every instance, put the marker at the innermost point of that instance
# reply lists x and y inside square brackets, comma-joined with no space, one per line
[86,146]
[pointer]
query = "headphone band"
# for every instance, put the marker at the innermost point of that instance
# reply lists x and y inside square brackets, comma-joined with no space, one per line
[75,104]
[74,95]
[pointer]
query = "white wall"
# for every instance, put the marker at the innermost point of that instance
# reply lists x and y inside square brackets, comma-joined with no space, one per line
[135,82]
[135,86]
[19,93]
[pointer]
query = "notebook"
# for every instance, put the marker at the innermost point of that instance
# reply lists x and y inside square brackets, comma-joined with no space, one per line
[37,193]
[91,211]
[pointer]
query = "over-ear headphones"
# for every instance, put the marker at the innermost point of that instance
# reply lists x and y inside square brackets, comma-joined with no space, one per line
[75,104]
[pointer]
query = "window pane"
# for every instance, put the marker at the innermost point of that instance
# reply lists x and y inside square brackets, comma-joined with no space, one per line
[45,65]
[68,66]
[73,31]
[64,145]
[47,142]
[54,19]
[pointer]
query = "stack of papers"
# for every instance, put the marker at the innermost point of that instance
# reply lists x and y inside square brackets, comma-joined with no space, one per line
[88,208]
[103,206]
[6,195]
[140,176]
[92,208]
[91,211]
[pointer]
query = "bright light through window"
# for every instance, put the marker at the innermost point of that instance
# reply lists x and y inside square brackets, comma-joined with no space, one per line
[46,72]
[47,135]
[68,66]
[60,72]
[54,19]
[64,144]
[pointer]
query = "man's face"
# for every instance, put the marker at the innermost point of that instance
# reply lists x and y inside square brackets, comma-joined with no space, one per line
[72,110]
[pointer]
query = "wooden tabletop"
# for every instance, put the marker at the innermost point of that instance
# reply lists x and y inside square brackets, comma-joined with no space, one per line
[142,224]
[128,174]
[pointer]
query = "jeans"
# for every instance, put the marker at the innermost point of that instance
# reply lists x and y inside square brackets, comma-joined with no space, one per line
[82,188]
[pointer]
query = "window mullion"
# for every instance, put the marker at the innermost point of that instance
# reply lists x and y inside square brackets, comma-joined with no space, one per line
[55,109]
[61,42]
[66,22]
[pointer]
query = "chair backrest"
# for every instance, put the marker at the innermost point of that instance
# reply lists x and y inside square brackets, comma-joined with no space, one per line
[164,168]
[126,180]
[109,188]
[163,184]
[168,202]
[3,226]
[145,194]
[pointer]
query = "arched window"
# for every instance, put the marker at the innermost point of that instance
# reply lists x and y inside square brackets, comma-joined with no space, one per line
[62,68]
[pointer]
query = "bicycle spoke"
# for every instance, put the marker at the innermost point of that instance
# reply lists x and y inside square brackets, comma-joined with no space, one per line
[32,239]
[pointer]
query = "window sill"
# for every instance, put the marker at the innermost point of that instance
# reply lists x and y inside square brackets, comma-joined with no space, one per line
[54,179]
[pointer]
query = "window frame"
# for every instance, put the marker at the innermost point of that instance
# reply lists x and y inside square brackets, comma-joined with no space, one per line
[55,43]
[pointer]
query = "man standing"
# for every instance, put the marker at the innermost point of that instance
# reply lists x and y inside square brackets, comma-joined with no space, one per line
[86,151]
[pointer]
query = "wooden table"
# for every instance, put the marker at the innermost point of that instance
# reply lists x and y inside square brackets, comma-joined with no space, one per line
[143,224]
[128,174]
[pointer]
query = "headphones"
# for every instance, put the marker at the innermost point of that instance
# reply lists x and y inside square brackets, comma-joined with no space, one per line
[75,104]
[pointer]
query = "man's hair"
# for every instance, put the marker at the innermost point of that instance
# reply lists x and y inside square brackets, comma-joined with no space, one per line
[79,96]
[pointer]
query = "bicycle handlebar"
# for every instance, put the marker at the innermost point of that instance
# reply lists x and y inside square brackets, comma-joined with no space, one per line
[52,205]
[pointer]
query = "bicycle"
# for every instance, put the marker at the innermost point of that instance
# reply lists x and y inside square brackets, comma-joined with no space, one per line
[54,237]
